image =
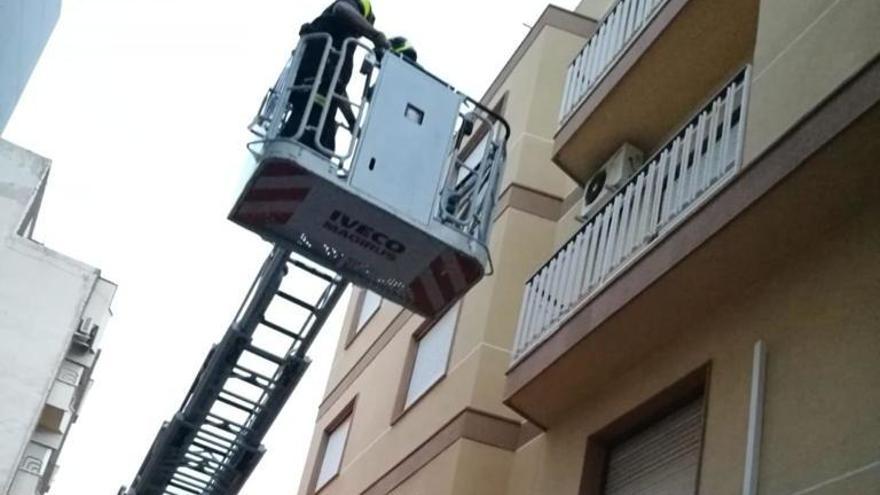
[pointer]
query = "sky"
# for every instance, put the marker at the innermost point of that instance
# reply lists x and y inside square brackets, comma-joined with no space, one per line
[142,105]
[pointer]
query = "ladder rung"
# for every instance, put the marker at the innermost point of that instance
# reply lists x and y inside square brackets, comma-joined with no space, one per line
[306,268]
[200,452]
[209,449]
[200,467]
[204,461]
[189,480]
[233,442]
[240,397]
[295,300]
[255,379]
[217,431]
[224,423]
[229,426]
[265,355]
[252,381]
[212,441]
[188,477]
[280,329]
[237,405]
[187,487]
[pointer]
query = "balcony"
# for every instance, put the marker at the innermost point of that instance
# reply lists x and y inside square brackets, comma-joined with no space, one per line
[623,23]
[31,476]
[683,175]
[796,209]
[647,65]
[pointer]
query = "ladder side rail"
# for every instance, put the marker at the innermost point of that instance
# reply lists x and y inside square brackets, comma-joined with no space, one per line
[474,197]
[300,347]
[153,472]
[262,121]
[316,84]
[496,171]
[277,270]
[269,118]
[208,384]
[348,46]
[458,192]
[287,80]
[482,195]
[222,361]
[295,345]
[269,267]
[492,166]
[331,94]
[288,376]
[211,379]
[200,451]
[330,299]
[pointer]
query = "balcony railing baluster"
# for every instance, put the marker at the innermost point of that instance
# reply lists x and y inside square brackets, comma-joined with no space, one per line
[623,23]
[680,177]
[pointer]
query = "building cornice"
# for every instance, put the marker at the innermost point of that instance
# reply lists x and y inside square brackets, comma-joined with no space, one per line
[552,16]
[470,424]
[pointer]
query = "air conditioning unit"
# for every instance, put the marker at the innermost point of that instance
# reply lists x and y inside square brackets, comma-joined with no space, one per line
[605,183]
[85,334]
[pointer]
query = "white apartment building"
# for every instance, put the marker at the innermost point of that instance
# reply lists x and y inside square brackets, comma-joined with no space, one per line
[53,311]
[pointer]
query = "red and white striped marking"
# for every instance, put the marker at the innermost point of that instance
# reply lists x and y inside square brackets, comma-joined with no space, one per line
[447,278]
[279,189]
[274,195]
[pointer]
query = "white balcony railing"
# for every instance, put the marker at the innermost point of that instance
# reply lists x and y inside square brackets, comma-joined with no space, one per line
[622,24]
[679,178]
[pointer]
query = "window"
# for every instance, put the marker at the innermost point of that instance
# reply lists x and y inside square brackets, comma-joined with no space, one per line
[334,446]
[664,457]
[370,302]
[431,356]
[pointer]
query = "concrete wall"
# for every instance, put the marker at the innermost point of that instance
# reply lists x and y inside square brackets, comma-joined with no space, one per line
[350,347]
[436,478]
[23,173]
[818,316]
[805,50]
[42,297]
[482,469]
[533,90]
[532,110]
[465,468]
[25,26]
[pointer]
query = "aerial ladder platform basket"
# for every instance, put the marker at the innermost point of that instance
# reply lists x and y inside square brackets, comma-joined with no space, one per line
[404,207]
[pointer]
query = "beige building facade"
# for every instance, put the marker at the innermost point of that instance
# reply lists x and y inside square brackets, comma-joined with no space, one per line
[687,270]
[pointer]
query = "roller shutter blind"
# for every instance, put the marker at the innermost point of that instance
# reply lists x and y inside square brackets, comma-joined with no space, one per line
[662,459]
[432,356]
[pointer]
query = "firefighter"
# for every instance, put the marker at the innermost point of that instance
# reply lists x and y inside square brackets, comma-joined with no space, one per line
[342,20]
[404,48]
